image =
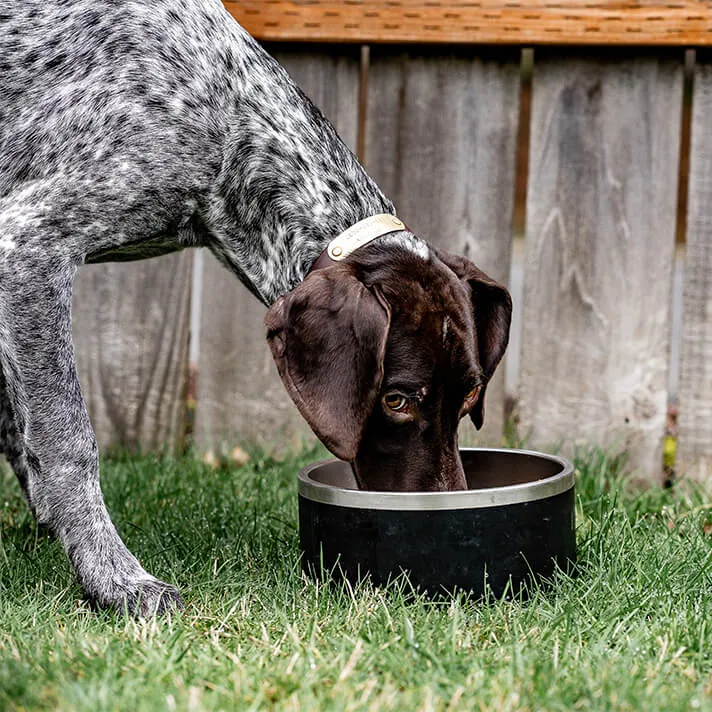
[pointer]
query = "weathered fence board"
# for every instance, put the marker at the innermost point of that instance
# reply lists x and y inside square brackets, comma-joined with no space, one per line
[240,396]
[131,332]
[441,141]
[694,453]
[605,137]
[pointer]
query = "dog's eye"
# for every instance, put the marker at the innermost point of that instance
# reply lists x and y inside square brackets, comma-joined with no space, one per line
[396,402]
[473,393]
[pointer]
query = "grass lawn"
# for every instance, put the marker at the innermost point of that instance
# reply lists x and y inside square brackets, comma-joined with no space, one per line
[632,632]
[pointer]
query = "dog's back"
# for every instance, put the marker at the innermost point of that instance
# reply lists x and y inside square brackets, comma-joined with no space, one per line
[85,83]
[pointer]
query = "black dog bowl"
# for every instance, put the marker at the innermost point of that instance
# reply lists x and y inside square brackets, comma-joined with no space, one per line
[515,522]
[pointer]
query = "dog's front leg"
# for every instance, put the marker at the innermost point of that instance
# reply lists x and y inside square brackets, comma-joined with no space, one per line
[55,453]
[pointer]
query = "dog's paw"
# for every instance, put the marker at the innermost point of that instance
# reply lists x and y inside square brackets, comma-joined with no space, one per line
[153,598]
[144,598]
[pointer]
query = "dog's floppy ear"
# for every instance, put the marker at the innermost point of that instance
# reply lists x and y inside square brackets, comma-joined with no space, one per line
[328,339]
[492,311]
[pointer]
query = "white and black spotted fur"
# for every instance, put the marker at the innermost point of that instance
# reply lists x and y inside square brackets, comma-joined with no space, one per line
[130,129]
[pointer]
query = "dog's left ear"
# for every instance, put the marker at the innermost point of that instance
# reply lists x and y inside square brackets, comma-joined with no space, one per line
[492,311]
[328,339]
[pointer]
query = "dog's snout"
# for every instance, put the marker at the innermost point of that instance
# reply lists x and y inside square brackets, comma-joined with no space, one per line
[452,473]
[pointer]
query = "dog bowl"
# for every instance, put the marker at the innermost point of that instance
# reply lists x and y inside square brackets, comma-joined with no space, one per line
[514,524]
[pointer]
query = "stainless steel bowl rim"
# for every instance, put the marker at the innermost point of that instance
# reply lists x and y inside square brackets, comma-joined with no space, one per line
[463,499]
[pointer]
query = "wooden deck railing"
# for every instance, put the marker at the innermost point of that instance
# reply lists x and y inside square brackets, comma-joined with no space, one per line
[512,22]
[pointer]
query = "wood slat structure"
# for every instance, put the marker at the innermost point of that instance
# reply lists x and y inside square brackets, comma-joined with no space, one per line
[517,22]
[240,396]
[694,457]
[601,214]
[455,189]
[131,330]
[437,127]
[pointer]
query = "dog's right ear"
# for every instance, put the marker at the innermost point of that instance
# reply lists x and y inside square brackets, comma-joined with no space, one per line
[492,313]
[328,339]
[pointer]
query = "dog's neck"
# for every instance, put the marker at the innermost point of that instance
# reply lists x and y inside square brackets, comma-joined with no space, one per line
[287,187]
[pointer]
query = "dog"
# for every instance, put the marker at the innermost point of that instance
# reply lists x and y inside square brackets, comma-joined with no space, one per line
[132,129]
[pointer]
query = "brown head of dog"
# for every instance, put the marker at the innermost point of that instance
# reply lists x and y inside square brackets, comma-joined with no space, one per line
[384,353]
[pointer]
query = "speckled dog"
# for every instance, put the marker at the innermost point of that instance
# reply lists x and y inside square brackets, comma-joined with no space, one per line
[131,129]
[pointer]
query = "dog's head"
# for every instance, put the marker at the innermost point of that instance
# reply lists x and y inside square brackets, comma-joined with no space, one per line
[384,353]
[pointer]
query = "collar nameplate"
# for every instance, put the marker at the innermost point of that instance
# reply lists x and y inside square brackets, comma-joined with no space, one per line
[362,233]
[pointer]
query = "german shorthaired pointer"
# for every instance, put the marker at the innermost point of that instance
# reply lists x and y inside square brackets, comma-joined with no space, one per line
[130,129]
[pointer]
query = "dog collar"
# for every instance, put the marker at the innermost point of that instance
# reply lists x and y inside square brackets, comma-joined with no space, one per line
[361,234]
[358,235]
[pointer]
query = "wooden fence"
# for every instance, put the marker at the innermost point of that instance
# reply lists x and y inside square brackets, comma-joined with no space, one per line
[438,126]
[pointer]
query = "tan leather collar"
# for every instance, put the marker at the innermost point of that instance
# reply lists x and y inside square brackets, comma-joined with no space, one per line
[358,235]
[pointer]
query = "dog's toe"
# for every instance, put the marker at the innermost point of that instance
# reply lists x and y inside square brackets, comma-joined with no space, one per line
[154,598]
[144,598]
